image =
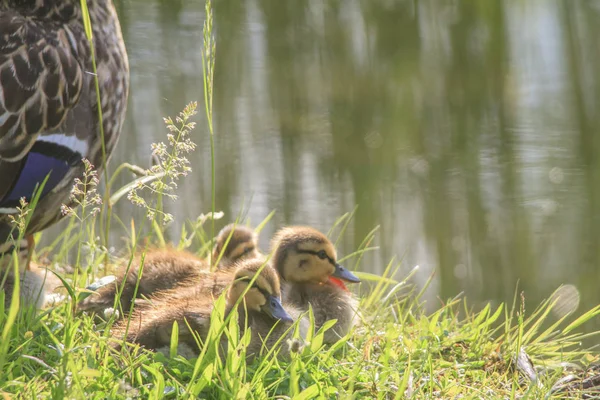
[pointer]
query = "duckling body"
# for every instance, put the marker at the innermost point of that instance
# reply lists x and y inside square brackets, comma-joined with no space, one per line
[173,270]
[48,105]
[265,336]
[151,324]
[260,310]
[306,262]
[160,269]
[36,287]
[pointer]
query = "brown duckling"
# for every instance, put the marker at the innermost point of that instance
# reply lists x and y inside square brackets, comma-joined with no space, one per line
[36,287]
[310,275]
[242,245]
[166,269]
[162,269]
[260,309]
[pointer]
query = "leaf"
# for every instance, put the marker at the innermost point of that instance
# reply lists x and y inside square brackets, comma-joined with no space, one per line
[264,222]
[159,380]
[204,380]
[90,373]
[86,20]
[67,286]
[159,233]
[582,319]
[357,253]
[308,393]
[174,340]
[365,276]
[125,189]
[101,282]
[317,341]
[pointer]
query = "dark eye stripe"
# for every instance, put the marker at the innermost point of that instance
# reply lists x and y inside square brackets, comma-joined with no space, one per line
[247,250]
[255,286]
[316,253]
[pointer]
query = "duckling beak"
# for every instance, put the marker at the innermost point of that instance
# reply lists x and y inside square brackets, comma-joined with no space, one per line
[344,274]
[276,310]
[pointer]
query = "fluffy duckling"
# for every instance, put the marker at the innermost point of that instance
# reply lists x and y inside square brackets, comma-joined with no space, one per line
[260,310]
[166,269]
[36,287]
[163,269]
[306,262]
[242,245]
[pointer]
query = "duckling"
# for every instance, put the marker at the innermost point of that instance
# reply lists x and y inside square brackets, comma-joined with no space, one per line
[36,288]
[166,269]
[242,245]
[310,275]
[260,310]
[48,106]
[163,269]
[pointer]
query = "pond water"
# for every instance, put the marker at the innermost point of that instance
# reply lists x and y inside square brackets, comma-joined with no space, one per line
[468,131]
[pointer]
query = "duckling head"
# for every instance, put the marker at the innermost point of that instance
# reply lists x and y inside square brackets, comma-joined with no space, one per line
[304,255]
[243,244]
[263,294]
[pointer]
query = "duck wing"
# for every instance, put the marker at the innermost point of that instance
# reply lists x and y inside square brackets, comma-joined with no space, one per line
[41,80]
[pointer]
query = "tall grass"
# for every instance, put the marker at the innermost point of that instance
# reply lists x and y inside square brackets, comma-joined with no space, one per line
[208,68]
[87,23]
[397,350]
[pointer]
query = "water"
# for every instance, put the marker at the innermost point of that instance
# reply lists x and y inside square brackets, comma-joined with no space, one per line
[468,132]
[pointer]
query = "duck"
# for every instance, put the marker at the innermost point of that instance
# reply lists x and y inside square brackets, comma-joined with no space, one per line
[37,288]
[171,269]
[49,119]
[235,242]
[306,262]
[261,310]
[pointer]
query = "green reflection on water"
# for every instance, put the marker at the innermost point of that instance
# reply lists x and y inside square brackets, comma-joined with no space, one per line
[467,130]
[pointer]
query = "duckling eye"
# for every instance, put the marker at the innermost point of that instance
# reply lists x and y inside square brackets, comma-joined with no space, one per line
[247,250]
[322,254]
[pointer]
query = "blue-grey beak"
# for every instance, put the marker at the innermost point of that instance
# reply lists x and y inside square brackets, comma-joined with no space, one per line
[276,310]
[344,274]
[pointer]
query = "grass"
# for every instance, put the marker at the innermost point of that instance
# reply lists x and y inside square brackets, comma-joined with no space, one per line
[397,351]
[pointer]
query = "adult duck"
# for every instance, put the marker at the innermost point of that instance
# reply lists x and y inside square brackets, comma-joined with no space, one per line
[48,105]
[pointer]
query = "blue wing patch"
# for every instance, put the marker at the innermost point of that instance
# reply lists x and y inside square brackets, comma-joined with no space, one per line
[44,159]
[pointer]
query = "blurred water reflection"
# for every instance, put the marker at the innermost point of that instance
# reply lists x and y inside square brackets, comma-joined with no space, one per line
[467,130]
